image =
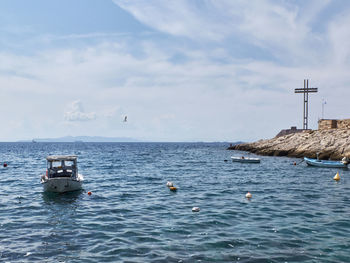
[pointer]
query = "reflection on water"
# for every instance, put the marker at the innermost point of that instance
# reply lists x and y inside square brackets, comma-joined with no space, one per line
[61,198]
[296,214]
[62,226]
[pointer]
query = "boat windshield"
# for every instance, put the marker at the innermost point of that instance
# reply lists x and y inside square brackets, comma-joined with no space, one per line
[61,168]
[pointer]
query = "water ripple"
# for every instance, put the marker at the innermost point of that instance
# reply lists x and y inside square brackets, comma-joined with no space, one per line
[296,214]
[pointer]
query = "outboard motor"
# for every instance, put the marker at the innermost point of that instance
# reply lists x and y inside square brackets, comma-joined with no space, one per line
[345,160]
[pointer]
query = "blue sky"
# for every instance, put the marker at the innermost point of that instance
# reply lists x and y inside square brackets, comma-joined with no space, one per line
[180,70]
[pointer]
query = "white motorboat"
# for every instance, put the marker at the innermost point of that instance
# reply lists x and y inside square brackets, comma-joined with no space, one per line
[243,159]
[62,174]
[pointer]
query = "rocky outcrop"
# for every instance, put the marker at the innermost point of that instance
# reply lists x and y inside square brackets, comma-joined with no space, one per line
[331,144]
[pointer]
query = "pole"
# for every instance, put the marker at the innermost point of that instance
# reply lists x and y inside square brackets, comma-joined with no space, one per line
[304,105]
[306,90]
[322,109]
[323,103]
[307,103]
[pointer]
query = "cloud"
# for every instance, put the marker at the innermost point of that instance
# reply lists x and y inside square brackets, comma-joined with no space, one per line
[281,28]
[227,71]
[174,17]
[339,37]
[76,113]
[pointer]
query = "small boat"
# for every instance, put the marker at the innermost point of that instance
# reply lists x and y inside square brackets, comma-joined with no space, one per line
[243,159]
[326,163]
[62,174]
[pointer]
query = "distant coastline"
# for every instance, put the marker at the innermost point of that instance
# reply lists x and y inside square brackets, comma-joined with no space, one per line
[80,139]
[330,144]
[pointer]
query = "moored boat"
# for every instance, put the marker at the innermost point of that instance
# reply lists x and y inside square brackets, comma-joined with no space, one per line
[243,159]
[62,174]
[326,163]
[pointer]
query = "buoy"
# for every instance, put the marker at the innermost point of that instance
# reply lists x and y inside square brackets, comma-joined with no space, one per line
[225,160]
[172,188]
[294,163]
[195,209]
[89,193]
[169,184]
[248,195]
[5,164]
[337,177]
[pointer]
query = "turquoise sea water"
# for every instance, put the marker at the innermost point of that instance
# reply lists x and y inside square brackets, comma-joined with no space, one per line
[296,214]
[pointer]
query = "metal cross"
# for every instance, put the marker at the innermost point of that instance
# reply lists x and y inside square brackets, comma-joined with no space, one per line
[306,90]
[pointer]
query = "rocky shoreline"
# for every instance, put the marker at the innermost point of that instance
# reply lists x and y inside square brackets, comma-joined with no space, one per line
[331,144]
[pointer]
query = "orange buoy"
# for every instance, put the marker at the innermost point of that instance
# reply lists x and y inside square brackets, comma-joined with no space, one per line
[337,177]
[5,164]
[248,195]
[89,193]
[173,188]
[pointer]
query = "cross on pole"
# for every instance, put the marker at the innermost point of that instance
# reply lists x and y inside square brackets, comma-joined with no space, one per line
[306,90]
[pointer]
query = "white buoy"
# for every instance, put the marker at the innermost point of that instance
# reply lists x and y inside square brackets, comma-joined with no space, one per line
[337,177]
[169,184]
[196,209]
[248,195]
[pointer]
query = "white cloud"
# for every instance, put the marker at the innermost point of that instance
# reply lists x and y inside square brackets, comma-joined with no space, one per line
[76,113]
[281,28]
[211,93]
[339,37]
[178,17]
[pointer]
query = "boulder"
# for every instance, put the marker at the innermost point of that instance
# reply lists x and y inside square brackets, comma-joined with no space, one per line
[331,144]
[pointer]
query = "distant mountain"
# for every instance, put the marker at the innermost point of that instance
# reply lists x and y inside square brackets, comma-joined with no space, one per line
[86,139]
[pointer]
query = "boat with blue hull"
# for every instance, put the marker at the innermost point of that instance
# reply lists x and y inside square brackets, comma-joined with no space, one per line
[326,163]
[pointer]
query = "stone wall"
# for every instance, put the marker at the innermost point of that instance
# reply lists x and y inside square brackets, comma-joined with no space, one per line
[333,124]
[343,124]
[292,129]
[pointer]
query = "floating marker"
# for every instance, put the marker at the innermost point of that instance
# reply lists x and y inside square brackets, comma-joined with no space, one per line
[172,188]
[89,193]
[248,195]
[5,164]
[337,177]
[225,160]
[169,184]
[196,209]
[294,163]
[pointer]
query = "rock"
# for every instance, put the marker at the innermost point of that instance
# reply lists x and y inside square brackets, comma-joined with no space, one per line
[330,144]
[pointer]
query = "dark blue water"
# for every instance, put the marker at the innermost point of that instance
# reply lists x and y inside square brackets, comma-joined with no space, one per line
[296,214]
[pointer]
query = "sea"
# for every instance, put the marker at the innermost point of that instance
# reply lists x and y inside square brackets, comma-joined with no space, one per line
[296,213]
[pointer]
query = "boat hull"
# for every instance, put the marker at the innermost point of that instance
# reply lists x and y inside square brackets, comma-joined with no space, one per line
[324,163]
[245,160]
[61,184]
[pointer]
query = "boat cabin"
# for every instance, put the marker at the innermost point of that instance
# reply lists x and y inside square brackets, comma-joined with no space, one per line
[62,166]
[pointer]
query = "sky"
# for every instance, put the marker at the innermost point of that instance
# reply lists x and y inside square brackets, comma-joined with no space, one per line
[180,70]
